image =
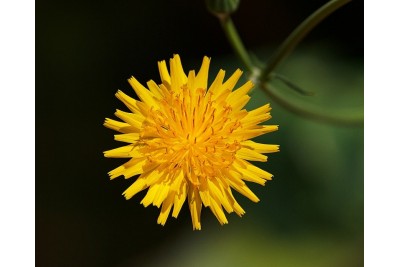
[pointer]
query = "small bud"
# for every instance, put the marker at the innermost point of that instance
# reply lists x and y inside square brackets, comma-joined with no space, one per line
[222,7]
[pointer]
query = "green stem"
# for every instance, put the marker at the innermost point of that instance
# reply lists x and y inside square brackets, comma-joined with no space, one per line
[317,115]
[235,41]
[299,33]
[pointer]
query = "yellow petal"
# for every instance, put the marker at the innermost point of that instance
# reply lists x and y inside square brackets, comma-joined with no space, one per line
[238,105]
[151,194]
[259,172]
[128,137]
[118,126]
[154,89]
[133,120]
[202,77]
[132,166]
[129,151]
[178,76]
[129,102]
[191,81]
[143,93]
[248,134]
[248,154]
[239,93]
[261,110]
[260,148]
[161,195]
[165,209]
[236,183]
[195,207]
[218,212]
[219,195]
[154,177]
[134,170]
[249,121]
[216,86]
[245,191]
[180,198]
[252,177]
[236,207]
[164,74]
[135,188]
[231,82]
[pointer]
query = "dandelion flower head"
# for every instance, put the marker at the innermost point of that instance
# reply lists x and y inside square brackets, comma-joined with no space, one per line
[186,140]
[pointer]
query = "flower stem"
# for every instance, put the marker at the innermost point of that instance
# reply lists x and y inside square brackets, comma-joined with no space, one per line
[234,39]
[355,119]
[298,34]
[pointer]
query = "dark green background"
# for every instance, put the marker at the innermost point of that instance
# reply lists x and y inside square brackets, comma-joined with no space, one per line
[311,214]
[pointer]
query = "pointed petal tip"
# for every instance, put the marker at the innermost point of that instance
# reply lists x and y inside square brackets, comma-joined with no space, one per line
[206,58]
[126,196]
[175,55]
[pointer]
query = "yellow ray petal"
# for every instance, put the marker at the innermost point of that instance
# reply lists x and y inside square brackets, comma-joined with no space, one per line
[195,207]
[260,148]
[248,175]
[118,126]
[216,86]
[136,187]
[154,89]
[202,77]
[180,198]
[248,154]
[178,76]
[245,191]
[249,121]
[154,177]
[218,212]
[133,120]
[239,93]
[236,207]
[133,165]
[151,194]
[238,105]
[191,81]
[219,195]
[161,195]
[261,110]
[128,137]
[231,82]
[204,191]
[143,93]
[129,102]
[164,74]
[129,151]
[259,172]
[249,134]
[135,169]
[165,209]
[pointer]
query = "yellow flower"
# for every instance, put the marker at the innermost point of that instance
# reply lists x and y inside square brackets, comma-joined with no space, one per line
[187,141]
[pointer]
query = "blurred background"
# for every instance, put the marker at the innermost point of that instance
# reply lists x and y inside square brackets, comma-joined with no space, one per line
[310,214]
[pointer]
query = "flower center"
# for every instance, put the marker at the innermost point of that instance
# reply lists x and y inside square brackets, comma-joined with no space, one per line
[191,132]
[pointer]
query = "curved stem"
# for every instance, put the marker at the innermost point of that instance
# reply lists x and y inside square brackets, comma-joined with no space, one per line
[291,85]
[311,114]
[235,41]
[299,33]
